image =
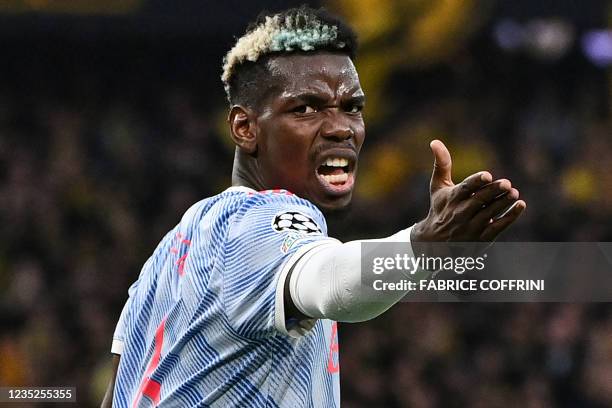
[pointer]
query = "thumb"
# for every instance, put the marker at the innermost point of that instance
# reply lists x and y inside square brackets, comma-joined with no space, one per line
[441,176]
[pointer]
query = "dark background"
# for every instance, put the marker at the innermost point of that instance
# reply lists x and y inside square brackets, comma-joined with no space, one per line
[112,125]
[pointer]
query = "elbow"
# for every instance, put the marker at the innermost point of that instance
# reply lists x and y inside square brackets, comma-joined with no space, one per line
[356,311]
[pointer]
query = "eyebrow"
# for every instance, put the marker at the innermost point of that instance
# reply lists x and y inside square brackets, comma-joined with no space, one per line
[317,99]
[312,99]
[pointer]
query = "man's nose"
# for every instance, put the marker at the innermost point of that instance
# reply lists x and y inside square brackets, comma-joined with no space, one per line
[336,126]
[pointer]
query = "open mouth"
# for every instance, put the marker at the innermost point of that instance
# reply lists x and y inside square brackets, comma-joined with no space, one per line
[336,174]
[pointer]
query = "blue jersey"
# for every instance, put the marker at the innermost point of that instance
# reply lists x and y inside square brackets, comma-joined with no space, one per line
[204,324]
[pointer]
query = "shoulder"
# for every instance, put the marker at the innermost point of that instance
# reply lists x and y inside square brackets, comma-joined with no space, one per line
[238,208]
[282,210]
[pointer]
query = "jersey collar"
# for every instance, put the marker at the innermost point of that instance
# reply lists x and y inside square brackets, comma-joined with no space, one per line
[242,189]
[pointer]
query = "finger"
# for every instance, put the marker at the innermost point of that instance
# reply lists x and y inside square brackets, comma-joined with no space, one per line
[493,230]
[485,196]
[472,184]
[441,176]
[496,209]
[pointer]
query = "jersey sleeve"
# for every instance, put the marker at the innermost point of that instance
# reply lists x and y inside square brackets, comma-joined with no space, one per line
[123,322]
[119,334]
[263,242]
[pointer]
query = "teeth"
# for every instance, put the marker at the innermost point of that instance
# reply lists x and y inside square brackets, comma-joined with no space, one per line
[336,162]
[336,178]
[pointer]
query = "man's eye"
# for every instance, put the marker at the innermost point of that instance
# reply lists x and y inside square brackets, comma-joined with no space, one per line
[355,109]
[304,109]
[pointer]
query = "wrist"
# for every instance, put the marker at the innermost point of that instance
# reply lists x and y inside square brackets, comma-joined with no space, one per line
[416,233]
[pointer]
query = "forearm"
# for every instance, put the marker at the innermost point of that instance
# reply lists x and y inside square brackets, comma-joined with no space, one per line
[107,402]
[326,282]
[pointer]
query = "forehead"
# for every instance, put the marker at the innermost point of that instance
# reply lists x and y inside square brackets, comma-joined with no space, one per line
[307,71]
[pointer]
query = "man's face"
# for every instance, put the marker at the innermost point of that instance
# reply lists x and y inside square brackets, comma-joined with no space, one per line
[309,134]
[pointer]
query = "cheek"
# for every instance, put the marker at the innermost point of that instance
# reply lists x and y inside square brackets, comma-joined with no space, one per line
[287,153]
[359,135]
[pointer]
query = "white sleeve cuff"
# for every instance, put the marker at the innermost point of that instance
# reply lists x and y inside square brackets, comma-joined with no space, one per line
[299,328]
[117,347]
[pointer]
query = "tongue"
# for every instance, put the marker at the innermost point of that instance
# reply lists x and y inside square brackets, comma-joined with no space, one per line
[329,170]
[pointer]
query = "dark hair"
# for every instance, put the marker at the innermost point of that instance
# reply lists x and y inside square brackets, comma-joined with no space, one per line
[247,77]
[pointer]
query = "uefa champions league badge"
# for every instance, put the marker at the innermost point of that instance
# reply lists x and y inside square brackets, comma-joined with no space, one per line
[295,225]
[294,221]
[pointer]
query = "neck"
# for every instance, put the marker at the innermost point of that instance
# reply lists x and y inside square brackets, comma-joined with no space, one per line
[246,171]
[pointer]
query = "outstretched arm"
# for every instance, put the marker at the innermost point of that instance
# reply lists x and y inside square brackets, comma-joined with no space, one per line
[326,282]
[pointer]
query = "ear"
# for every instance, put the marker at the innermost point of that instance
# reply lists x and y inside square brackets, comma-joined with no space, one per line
[242,128]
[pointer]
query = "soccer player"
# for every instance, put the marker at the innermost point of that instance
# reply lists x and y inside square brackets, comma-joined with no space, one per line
[238,304]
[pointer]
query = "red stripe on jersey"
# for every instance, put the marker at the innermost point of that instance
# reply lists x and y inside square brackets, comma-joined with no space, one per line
[181,264]
[152,389]
[148,386]
[334,348]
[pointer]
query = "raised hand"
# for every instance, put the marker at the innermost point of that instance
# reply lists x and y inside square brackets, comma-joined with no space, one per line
[473,210]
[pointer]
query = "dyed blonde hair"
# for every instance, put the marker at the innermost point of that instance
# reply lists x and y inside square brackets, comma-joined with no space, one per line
[295,30]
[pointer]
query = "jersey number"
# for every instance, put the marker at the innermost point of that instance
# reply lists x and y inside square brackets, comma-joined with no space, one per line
[149,387]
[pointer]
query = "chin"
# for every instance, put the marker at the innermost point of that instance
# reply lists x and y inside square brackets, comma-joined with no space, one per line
[337,206]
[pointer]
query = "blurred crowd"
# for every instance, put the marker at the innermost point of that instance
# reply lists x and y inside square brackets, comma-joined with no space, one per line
[97,163]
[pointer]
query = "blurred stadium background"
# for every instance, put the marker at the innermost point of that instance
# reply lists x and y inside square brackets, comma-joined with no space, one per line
[112,124]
